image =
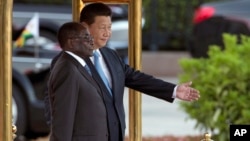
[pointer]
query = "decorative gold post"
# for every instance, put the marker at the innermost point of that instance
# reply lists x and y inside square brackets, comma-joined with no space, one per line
[5,70]
[77,6]
[135,118]
[134,52]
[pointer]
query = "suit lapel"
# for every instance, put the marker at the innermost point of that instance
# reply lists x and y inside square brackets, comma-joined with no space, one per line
[82,70]
[86,74]
[96,76]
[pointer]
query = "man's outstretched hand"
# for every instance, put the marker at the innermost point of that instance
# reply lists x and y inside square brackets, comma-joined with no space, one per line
[185,92]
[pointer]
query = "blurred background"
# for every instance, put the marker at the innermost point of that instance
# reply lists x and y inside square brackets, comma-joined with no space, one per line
[171,30]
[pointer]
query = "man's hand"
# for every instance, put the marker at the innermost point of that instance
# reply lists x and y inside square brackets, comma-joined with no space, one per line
[186,92]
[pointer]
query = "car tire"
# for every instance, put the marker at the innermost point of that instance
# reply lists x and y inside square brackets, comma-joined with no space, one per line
[19,111]
[21,138]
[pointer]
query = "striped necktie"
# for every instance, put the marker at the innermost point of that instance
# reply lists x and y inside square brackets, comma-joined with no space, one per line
[88,69]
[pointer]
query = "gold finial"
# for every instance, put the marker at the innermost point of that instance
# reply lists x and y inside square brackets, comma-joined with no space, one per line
[14,129]
[207,137]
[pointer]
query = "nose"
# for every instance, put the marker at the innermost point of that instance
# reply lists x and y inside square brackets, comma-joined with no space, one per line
[107,32]
[91,41]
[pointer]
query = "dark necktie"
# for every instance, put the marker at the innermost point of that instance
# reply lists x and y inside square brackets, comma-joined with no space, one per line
[100,71]
[88,69]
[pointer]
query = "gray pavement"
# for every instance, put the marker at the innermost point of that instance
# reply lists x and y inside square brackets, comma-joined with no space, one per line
[161,118]
[163,63]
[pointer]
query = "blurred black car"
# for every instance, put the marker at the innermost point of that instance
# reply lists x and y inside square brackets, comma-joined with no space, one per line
[213,19]
[30,71]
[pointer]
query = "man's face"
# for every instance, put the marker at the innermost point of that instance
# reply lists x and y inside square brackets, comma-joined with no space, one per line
[84,44]
[100,30]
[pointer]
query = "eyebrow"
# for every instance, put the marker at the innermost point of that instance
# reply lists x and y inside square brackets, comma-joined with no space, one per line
[84,34]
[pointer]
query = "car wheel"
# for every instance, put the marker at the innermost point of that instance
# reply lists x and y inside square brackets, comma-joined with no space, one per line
[19,111]
[21,138]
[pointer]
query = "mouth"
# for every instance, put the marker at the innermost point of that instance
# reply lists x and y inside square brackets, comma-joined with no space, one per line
[104,40]
[91,49]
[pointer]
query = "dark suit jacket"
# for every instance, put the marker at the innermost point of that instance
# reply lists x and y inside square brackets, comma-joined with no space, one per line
[122,75]
[76,101]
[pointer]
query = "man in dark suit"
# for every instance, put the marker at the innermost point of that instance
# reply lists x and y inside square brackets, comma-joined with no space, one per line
[97,18]
[77,108]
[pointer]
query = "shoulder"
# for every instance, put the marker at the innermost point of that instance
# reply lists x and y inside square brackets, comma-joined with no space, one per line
[110,53]
[107,49]
[64,64]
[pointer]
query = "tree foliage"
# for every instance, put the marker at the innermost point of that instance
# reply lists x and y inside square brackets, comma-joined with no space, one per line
[223,80]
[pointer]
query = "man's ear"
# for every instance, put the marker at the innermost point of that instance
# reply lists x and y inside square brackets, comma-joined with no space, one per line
[70,44]
[85,24]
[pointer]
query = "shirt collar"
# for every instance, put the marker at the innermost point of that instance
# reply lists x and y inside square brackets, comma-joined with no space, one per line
[92,57]
[79,59]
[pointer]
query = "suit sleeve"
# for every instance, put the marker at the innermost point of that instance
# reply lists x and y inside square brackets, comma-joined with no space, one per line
[138,80]
[148,84]
[64,95]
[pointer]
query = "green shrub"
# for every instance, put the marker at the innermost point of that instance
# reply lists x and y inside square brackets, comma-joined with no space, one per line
[223,80]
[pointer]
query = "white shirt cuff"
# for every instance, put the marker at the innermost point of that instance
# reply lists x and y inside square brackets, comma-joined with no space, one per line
[174,93]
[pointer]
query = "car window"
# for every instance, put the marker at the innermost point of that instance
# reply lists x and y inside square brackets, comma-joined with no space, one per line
[50,2]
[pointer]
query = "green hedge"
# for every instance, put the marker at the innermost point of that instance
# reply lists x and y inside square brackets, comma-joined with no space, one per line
[223,80]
